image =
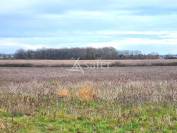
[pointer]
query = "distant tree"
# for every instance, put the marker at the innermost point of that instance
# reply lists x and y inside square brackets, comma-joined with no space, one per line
[20,54]
[82,53]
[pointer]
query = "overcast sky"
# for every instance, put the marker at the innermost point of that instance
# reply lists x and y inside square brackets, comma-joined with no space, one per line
[146,25]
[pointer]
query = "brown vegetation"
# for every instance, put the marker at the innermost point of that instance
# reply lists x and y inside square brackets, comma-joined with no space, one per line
[98,93]
[28,86]
[86,92]
[85,63]
[2,126]
[63,93]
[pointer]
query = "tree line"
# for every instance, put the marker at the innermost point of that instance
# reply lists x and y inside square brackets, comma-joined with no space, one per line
[82,53]
[6,56]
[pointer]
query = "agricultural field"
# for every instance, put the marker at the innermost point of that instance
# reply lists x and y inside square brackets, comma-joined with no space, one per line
[139,99]
[85,63]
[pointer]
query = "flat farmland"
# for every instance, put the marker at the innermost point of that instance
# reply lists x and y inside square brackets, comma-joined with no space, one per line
[112,74]
[84,63]
[109,99]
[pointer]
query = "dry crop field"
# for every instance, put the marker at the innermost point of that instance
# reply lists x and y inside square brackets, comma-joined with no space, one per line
[84,63]
[103,100]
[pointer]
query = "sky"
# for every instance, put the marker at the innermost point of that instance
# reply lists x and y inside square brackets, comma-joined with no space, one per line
[145,25]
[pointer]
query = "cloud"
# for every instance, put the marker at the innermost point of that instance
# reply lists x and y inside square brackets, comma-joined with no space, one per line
[65,23]
[166,42]
[86,21]
[61,6]
[18,44]
[164,46]
[16,6]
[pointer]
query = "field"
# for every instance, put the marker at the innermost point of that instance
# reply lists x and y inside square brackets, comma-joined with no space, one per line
[85,63]
[100,100]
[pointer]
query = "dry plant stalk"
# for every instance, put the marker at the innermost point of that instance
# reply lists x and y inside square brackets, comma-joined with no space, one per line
[86,92]
[63,93]
[2,126]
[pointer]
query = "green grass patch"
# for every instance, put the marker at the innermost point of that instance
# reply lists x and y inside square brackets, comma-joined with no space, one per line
[75,116]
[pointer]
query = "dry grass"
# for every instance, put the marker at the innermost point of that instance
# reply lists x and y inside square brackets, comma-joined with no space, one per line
[65,76]
[2,126]
[49,63]
[56,94]
[63,93]
[85,63]
[87,92]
